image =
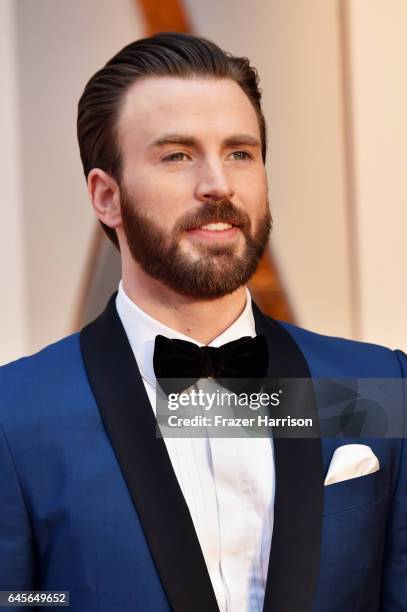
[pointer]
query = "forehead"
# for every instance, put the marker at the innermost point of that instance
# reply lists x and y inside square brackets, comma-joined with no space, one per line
[203,108]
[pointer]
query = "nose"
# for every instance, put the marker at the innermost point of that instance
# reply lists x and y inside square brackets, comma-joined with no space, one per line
[213,183]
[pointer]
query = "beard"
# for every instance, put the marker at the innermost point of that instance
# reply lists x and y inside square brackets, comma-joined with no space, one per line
[214,270]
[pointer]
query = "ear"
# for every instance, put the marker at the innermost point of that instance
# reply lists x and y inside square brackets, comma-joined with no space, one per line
[104,194]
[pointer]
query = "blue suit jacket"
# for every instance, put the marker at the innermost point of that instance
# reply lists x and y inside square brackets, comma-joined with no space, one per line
[89,501]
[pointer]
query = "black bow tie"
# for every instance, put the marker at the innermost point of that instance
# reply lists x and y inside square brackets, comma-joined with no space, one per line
[245,358]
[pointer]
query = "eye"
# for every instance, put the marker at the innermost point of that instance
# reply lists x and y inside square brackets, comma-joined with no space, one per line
[176,157]
[241,155]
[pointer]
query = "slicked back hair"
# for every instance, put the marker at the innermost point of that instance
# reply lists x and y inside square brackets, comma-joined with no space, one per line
[166,54]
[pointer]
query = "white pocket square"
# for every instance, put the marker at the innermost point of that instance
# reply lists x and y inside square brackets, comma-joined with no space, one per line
[351,461]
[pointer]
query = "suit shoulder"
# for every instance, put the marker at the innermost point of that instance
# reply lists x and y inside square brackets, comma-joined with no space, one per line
[42,377]
[328,354]
[49,357]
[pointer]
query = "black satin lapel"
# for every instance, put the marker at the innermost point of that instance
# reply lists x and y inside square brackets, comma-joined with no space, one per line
[130,424]
[295,548]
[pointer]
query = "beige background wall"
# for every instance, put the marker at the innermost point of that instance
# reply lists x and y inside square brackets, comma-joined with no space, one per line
[335,95]
[50,50]
[60,45]
[13,323]
[378,48]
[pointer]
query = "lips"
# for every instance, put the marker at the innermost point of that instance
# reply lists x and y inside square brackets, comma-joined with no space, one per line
[215,226]
[214,231]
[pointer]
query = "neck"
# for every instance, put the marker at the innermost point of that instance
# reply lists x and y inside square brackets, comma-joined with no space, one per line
[202,320]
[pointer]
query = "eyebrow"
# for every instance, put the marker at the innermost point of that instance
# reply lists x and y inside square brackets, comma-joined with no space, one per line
[190,141]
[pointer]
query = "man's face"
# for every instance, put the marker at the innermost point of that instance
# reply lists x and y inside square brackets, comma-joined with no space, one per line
[193,187]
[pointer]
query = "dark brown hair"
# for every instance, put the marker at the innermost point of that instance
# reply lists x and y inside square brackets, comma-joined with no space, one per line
[165,54]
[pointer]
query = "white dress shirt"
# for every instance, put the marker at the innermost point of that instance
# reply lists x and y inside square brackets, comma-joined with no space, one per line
[228,483]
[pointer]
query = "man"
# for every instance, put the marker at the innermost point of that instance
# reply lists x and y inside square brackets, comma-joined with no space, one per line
[173,144]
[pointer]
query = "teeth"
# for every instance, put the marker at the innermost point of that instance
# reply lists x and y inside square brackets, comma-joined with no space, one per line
[217,226]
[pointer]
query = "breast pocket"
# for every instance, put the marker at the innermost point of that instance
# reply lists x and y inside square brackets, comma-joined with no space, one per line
[352,545]
[356,492]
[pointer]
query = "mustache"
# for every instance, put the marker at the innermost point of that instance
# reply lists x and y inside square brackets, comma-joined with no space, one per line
[223,211]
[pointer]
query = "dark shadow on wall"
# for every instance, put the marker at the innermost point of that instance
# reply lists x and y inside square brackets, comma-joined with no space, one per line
[103,281]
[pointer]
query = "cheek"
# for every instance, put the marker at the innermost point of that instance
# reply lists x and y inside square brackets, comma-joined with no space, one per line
[158,198]
[252,184]
[254,198]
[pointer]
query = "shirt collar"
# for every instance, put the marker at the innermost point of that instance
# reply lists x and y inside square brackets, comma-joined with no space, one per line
[141,330]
